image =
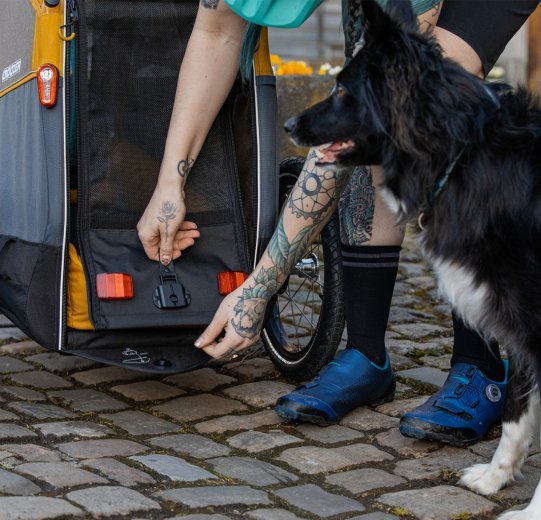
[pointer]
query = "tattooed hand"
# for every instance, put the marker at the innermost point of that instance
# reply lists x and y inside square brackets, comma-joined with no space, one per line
[241,315]
[162,229]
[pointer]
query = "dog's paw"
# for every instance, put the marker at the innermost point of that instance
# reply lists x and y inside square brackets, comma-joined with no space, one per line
[525,514]
[485,479]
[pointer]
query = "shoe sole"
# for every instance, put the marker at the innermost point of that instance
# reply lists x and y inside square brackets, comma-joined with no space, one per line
[417,432]
[295,416]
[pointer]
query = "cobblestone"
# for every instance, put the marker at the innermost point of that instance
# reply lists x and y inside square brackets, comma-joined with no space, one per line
[73,429]
[215,496]
[148,391]
[251,471]
[97,376]
[140,423]
[36,508]
[59,474]
[362,480]
[42,411]
[13,484]
[255,442]
[85,400]
[428,375]
[10,365]
[202,380]
[317,501]
[189,444]
[22,393]
[239,422]
[364,419]
[59,363]
[101,448]
[40,379]
[196,407]
[32,452]
[118,472]
[112,500]
[271,514]
[175,468]
[21,348]
[14,431]
[251,369]
[261,394]
[329,435]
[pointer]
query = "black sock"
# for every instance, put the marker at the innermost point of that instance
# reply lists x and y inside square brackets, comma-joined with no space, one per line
[470,347]
[369,277]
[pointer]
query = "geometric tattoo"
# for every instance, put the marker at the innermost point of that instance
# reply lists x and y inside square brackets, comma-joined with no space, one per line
[185,166]
[167,213]
[356,208]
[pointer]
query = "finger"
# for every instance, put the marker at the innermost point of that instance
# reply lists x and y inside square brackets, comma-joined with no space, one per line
[166,247]
[212,332]
[184,243]
[150,245]
[188,224]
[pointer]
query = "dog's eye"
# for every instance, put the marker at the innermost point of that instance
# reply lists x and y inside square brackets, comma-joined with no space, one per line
[340,91]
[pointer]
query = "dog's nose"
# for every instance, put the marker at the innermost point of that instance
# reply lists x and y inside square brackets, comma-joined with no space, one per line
[289,125]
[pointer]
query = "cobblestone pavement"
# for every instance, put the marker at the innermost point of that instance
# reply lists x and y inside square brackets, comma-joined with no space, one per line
[83,440]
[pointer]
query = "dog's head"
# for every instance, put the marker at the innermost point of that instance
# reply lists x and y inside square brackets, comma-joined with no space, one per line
[378,96]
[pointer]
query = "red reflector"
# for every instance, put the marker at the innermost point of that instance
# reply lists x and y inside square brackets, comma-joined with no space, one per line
[47,77]
[114,286]
[228,281]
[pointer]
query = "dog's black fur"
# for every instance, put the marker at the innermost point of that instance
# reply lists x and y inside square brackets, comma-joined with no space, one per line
[401,104]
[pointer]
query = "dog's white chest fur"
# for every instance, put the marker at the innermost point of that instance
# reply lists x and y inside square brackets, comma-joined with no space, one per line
[457,284]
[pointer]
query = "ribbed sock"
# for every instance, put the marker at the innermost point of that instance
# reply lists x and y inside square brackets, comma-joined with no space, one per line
[369,278]
[470,347]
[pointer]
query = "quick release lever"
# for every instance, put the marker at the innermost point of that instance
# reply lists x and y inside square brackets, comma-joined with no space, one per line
[170,294]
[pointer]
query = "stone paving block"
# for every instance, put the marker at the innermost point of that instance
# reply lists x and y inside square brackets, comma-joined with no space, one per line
[433,465]
[111,501]
[86,400]
[40,379]
[13,484]
[206,496]
[255,442]
[190,444]
[271,514]
[8,416]
[443,361]
[42,411]
[203,380]
[400,362]
[239,422]
[5,322]
[97,376]
[417,331]
[32,452]
[260,394]
[360,481]
[140,423]
[20,348]
[524,486]
[439,503]
[148,391]
[252,471]
[399,407]
[174,468]
[14,431]
[427,375]
[251,369]
[405,346]
[119,472]
[59,474]
[330,434]
[364,419]
[60,363]
[11,334]
[405,446]
[485,448]
[36,508]
[315,500]
[312,460]
[376,515]
[101,448]
[74,429]
[199,517]
[9,365]
[22,393]
[196,407]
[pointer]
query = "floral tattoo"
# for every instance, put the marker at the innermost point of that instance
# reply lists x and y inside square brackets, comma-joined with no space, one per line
[167,213]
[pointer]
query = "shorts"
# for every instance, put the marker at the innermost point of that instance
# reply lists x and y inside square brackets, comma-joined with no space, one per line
[485,25]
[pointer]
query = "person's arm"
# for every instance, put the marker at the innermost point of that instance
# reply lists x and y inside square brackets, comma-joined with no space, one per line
[308,209]
[206,76]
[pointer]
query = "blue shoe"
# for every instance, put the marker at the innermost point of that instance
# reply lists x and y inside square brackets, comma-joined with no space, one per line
[462,412]
[350,380]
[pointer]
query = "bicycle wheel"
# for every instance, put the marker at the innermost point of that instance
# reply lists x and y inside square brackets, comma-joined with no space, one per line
[305,325]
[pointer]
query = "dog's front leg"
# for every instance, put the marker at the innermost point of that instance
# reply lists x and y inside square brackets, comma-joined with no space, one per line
[521,419]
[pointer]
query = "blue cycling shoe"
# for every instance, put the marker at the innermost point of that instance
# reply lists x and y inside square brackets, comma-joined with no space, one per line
[462,412]
[350,380]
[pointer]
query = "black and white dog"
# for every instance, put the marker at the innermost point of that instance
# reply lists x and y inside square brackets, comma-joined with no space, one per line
[464,159]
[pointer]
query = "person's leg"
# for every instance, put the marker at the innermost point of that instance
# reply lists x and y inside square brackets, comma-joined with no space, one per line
[471,400]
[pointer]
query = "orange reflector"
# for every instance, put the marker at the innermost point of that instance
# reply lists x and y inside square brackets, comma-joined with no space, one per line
[47,76]
[228,281]
[114,286]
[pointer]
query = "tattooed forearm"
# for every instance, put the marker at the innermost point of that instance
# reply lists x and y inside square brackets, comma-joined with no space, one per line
[184,167]
[430,19]
[250,309]
[167,213]
[356,207]
[210,4]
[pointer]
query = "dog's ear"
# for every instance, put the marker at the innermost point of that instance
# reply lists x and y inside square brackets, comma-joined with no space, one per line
[380,24]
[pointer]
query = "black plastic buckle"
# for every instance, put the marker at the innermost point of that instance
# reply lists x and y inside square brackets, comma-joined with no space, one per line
[170,294]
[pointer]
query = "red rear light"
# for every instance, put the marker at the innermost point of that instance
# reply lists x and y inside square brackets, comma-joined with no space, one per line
[228,281]
[114,286]
[47,77]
